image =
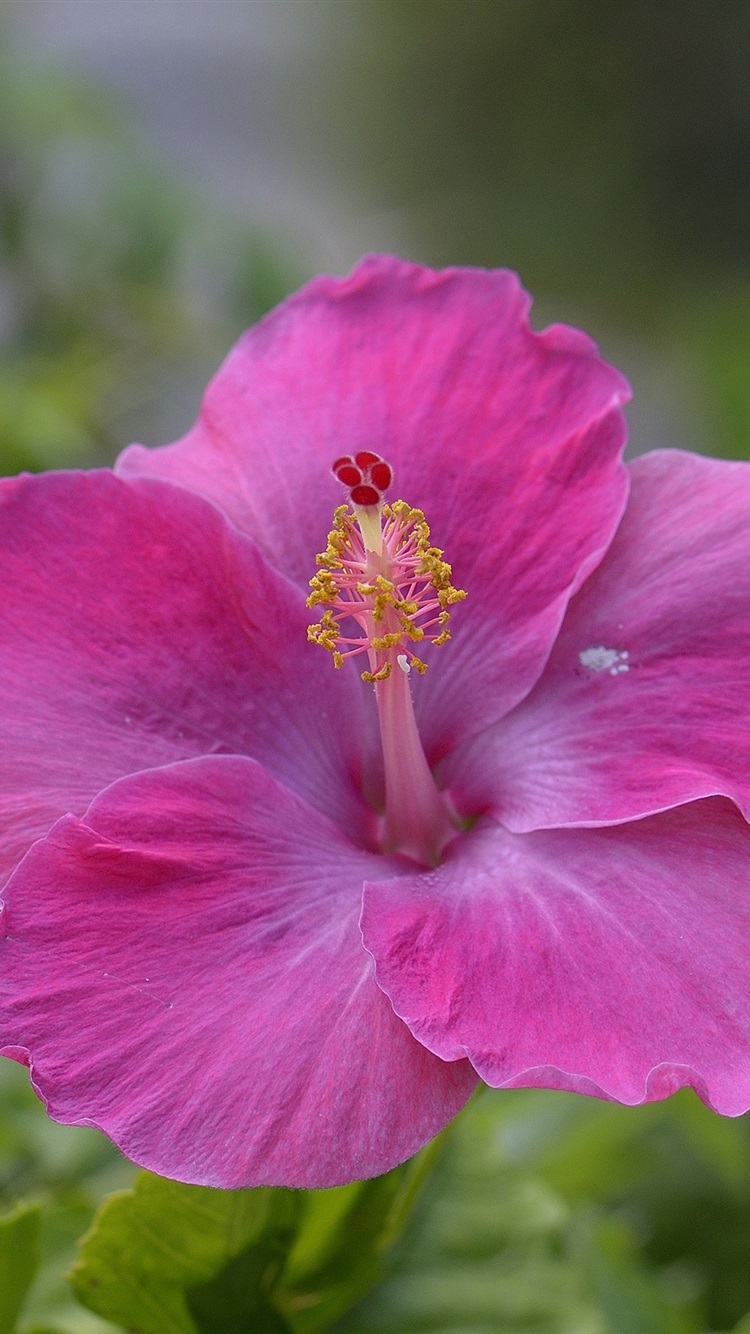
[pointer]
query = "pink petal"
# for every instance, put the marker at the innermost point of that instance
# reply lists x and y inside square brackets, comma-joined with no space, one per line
[508,439]
[605,961]
[645,701]
[185,970]
[138,627]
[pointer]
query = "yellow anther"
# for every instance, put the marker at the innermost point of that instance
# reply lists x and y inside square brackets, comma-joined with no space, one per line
[381,674]
[385,641]
[323,587]
[382,591]
[399,606]
[325,632]
[414,632]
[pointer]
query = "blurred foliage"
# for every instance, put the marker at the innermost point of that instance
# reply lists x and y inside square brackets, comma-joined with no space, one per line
[66,1173]
[566,135]
[19,1260]
[602,150]
[556,1213]
[119,290]
[535,1211]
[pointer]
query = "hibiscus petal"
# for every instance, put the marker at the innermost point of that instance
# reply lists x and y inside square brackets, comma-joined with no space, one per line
[509,440]
[186,971]
[644,702]
[605,961]
[138,627]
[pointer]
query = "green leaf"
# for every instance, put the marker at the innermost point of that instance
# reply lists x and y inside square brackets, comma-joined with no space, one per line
[164,1258]
[238,1298]
[19,1259]
[150,1258]
[343,1235]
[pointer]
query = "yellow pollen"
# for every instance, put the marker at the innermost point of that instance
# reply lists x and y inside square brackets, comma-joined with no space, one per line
[381,674]
[380,598]
[385,641]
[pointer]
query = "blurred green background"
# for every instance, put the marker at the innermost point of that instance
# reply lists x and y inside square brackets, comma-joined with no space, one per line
[168,170]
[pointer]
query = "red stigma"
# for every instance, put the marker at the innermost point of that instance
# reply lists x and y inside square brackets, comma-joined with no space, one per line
[364,495]
[365,459]
[348,475]
[381,475]
[365,474]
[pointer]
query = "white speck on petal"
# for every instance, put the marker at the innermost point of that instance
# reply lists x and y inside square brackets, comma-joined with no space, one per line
[601,659]
[403,663]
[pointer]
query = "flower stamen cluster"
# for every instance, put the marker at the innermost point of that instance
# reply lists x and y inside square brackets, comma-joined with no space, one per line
[397,597]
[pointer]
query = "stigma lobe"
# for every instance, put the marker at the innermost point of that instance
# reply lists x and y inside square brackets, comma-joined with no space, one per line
[366,475]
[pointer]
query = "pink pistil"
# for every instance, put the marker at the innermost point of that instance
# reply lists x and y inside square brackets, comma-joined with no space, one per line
[416,821]
[380,572]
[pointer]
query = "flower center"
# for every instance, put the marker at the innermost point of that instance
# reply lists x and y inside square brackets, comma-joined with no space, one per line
[385,589]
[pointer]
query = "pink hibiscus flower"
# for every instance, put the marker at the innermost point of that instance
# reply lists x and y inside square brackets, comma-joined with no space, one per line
[293,915]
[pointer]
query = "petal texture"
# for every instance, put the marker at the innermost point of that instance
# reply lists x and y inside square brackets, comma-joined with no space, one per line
[645,702]
[137,627]
[509,440]
[606,961]
[185,969]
